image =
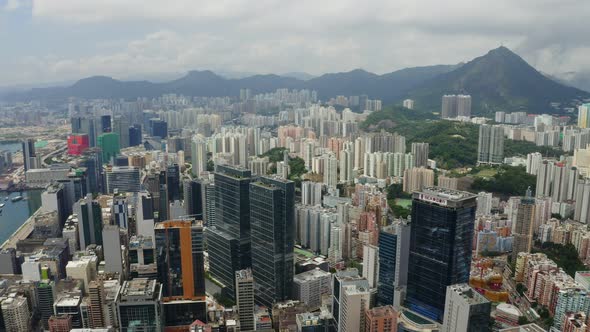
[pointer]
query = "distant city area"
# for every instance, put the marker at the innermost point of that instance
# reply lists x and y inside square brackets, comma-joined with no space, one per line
[295,210]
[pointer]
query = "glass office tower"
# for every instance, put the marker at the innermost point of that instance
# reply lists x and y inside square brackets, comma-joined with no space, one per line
[440,247]
[272,221]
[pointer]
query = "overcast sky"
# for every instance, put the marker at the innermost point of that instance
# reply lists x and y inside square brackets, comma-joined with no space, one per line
[59,40]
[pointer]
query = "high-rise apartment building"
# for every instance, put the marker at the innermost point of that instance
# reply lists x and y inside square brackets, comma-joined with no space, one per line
[198,155]
[490,149]
[229,242]
[350,299]
[417,178]
[466,310]
[522,227]
[272,221]
[440,247]
[96,294]
[89,221]
[181,271]
[409,104]
[245,300]
[454,106]
[420,152]
[371,264]
[584,116]
[16,314]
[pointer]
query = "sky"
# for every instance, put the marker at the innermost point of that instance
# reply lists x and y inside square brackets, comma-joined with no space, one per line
[64,40]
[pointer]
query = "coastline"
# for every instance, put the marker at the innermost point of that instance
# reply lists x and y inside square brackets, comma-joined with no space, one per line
[21,233]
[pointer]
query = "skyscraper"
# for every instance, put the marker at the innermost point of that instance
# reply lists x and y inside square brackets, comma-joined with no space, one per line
[193,198]
[45,295]
[272,220]
[30,159]
[89,221]
[139,305]
[121,128]
[584,115]
[394,247]
[229,241]
[123,179]
[158,128]
[16,314]
[96,316]
[440,247]
[490,148]
[181,271]
[371,264]
[245,299]
[109,145]
[350,299]
[113,254]
[198,155]
[420,152]
[466,310]
[173,182]
[135,135]
[522,227]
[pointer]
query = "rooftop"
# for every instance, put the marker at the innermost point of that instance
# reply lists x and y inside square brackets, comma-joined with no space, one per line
[449,194]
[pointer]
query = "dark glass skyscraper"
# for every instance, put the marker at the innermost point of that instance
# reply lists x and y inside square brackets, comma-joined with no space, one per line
[272,221]
[387,249]
[193,198]
[135,135]
[158,128]
[173,182]
[440,247]
[89,221]
[229,241]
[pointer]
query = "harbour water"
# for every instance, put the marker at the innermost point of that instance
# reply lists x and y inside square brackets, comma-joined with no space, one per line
[14,214]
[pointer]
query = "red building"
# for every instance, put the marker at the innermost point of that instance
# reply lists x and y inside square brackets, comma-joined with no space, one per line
[77,143]
[61,323]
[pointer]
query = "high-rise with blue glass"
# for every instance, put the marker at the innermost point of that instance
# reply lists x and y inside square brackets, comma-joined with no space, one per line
[440,247]
[272,223]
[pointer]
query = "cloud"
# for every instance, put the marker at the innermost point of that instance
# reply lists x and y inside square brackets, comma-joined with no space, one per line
[123,38]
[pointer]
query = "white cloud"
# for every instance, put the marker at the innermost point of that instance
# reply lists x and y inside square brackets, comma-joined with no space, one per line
[306,35]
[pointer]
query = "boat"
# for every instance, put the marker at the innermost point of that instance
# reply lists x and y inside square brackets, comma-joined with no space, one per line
[16,198]
[2,205]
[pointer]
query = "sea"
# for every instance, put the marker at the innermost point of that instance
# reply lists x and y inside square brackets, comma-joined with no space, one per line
[14,214]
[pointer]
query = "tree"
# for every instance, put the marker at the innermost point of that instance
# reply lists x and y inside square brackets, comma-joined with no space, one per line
[520,289]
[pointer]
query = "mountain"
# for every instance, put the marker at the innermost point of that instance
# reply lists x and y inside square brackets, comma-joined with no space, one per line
[388,87]
[299,75]
[498,80]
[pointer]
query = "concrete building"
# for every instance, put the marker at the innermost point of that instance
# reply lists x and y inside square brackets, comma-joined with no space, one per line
[522,227]
[114,254]
[584,116]
[465,310]
[16,314]
[350,299]
[61,323]
[122,179]
[408,103]
[381,319]
[309,287]
[371,264]
[139,305]
[417,178]
[245,299]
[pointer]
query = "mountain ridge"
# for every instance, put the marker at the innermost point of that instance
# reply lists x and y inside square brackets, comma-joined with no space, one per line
[497,80]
